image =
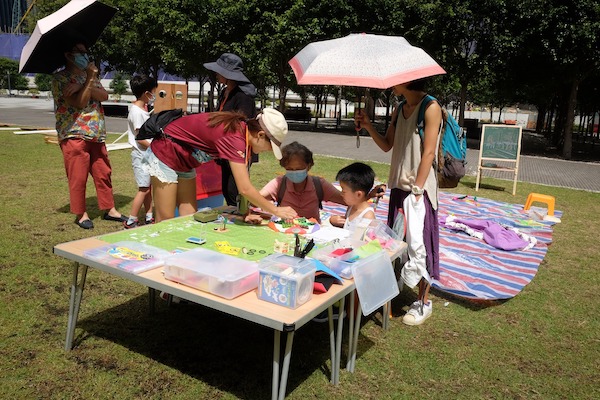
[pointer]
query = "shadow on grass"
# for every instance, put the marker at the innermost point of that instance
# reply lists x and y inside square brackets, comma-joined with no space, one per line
[91,204]
[471,185]
[229,353]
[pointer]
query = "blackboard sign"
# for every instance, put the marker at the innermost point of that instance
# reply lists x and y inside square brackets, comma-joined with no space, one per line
[501,142]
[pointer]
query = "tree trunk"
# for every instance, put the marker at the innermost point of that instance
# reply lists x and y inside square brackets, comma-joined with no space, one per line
[282,97]
[570,117]
[541,117]
[463,100]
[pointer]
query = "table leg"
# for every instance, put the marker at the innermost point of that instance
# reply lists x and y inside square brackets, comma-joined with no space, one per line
[385,323]
[352,360]
[331,342]
[77,285]
[350,329]
[152,299]
[286,364]
[338,346]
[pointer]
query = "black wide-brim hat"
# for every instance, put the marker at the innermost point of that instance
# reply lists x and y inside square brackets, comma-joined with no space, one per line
[229,66]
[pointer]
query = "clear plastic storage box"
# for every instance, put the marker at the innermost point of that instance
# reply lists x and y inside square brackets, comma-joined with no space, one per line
[129,256]
[375,281]
[212,272]
[286,280]
[378,230]
[335,256]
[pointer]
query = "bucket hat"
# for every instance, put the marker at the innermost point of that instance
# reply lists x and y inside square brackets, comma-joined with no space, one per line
[276,128]
[229,66]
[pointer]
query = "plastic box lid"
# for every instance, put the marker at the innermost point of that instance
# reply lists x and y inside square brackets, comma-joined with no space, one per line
[129,256]
[213,272]
[375,281]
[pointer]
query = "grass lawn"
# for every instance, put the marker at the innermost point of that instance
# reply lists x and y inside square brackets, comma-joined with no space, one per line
[542,344]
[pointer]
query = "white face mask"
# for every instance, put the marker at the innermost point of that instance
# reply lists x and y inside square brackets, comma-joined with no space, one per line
[151,99]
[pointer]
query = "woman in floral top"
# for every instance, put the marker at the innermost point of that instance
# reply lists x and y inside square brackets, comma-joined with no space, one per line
[77,95]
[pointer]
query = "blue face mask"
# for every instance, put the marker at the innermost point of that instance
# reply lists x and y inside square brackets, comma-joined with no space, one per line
[81,60]
[297,176]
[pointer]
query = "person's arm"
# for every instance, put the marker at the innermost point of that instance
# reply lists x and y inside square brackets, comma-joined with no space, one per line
[433,120]
[385,142]
[144,143]
[80,95]
[330,193]
[246,189]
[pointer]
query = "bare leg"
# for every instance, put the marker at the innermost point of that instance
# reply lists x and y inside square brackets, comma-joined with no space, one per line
[165,197]
[424,287]
[186,196]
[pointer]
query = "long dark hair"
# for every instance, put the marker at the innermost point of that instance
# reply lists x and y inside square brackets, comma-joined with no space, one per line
[231,121]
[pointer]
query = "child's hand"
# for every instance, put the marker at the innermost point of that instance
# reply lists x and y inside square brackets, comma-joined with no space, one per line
[337,220]
[378,191]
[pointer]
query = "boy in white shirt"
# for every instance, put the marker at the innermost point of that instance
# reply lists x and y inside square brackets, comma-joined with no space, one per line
[143,88]
[356,181]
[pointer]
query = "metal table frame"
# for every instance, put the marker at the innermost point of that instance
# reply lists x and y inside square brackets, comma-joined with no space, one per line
[248,306]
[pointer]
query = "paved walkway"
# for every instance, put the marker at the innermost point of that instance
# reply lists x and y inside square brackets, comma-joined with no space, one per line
[540,170]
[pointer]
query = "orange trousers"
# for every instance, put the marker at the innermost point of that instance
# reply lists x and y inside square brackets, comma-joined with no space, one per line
[83,157]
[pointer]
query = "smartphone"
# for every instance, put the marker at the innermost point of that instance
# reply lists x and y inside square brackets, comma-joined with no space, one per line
[195,240]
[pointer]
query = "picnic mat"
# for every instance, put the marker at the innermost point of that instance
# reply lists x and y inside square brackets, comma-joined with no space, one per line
[469,267]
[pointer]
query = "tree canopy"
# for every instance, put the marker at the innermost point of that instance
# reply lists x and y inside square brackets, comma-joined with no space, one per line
[495,53]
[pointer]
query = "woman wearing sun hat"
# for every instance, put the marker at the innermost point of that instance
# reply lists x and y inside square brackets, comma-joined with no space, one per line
[194,139]
[237,95]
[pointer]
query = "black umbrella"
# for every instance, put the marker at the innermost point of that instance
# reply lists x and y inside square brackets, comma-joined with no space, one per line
[44,51]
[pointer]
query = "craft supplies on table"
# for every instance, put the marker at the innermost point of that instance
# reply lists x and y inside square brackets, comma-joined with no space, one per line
[213,272]
[286,280]
[129,256]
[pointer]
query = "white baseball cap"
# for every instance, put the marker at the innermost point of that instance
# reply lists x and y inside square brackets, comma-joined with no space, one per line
[276,128]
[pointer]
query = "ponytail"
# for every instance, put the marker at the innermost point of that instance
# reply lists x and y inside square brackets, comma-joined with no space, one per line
[229,119]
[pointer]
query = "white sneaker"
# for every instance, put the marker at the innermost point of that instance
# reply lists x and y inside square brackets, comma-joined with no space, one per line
[415,316]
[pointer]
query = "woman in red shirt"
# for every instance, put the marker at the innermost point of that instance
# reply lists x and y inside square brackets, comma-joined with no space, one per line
[194,139]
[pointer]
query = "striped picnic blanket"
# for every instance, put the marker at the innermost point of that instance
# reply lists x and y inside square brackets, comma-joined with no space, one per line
[471,268]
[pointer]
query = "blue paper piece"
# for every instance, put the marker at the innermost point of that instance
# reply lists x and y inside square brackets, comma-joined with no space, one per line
[323,268]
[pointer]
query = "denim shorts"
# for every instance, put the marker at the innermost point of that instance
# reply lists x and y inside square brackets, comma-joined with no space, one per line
[142,178]
[162,172]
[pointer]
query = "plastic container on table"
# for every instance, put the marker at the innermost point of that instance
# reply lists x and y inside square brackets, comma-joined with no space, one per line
[335,256]
[129,256]
[286,280]
[213,272]
[377,230]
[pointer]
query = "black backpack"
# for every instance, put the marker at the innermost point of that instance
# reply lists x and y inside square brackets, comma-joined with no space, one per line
[318,188]
[153,127]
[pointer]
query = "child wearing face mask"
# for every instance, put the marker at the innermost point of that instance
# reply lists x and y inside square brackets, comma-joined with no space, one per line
[143,88]
[300,191]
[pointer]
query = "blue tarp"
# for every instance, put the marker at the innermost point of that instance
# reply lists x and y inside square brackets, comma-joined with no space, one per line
[11,45]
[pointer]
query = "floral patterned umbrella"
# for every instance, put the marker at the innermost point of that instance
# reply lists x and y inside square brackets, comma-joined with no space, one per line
[365,60]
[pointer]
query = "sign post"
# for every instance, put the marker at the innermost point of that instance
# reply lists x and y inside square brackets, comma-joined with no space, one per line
[500,144]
